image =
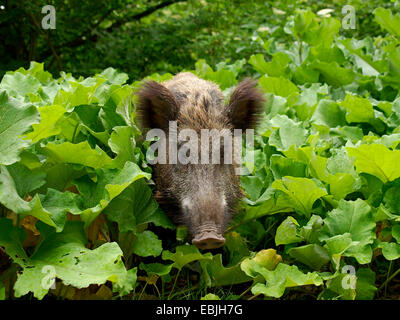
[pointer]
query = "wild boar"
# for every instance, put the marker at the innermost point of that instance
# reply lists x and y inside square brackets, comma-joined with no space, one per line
[202,195]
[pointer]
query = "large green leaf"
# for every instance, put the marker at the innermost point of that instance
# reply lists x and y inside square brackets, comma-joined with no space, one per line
[136,206]
[279,86]
[147,244]
[47,127]
[80,153]
[63,256]
[110,183]
[388,21]
[185,254]
[284,276]
[219,275]
[289,133]
[299,193]
[16,118]
[287,232]
[376,160]
[358,109]
[354,218]
[312,255]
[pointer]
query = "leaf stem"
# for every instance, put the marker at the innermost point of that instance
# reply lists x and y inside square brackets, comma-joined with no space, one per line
[144,288]
[74,134]
[390,278]
[245,291]
[173,286]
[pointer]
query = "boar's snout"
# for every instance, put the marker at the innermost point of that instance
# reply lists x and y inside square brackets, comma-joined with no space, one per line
[209,240]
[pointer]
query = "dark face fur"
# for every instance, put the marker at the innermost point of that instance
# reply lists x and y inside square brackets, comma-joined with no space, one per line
[203,196]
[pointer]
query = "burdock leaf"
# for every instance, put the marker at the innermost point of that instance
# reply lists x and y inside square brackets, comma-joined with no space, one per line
[301,193]
[358,109]
[312,255]
[284,276]
[80,153]
[147,244]
[184,255]
[376,160]
[63,256]
[110,184]
[47,127]
[15,119]
[287,232]
[354,218]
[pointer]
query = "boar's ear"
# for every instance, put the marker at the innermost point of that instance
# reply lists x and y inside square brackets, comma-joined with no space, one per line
[157,106]
[245,105]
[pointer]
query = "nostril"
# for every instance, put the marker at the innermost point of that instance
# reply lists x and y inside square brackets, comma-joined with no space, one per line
[209,242]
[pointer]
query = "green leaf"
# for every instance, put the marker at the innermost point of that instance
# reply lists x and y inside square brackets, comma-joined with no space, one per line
[185,254]
[281,166]
[391,199]
[301,193]
[122,143]
[9,196]
[355,218]
[19,85]
[277,67]
[236,246]
[267,258]
[52,207]
[217,275]
[64,256]
[156,268]
[333,74]
[252,185]
[128,285]
[365,285]
[390,250]
[337,245]
[2,292]
[335,285]
[388,21]
[26,180]
[304,21]
[396,232]
[310,232]
[210,296]
[47,127]
[147,244]
[376,160]
[287,232]
[224,78]
[15,120]
[114,77]
[279,86]
[289,133]
[266,205]
[80,153]
[110,184]
[329,114]
[312,255]
[284,276]
[264,260]
[357,109]
[136,206]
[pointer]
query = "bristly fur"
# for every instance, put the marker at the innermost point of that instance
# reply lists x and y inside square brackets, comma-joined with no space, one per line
[213,190]
[245,105]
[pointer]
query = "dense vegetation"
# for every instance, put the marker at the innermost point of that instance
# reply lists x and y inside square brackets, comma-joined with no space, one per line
[322,198]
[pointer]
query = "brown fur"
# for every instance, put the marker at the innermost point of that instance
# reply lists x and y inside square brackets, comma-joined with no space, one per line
[213,189]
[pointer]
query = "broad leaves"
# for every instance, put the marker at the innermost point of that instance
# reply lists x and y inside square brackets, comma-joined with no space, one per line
[63,256]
